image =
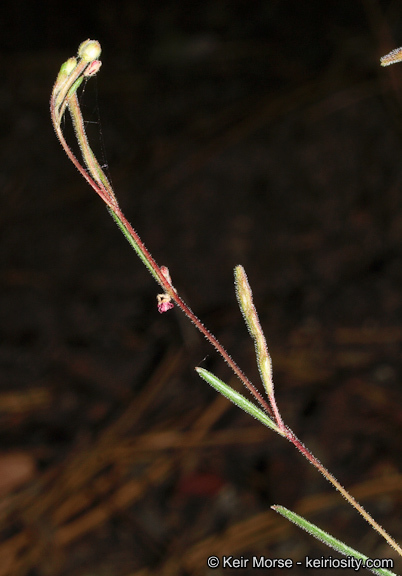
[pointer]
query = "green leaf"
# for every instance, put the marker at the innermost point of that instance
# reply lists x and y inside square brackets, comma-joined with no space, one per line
[75,87]
[133,243]
[237,399]
[330,541]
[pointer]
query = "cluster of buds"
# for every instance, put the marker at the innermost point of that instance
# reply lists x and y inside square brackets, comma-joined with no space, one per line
[64,96]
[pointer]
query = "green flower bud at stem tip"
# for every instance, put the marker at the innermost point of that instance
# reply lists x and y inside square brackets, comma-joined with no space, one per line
[68,66]
[65,71]
[89,50]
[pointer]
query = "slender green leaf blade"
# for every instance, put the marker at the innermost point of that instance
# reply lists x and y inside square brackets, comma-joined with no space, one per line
[75,87]
[133,243]
[237,399]
[329,540]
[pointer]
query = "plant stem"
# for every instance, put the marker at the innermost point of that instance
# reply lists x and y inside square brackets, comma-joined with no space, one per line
[155,270]
[64,96]
[313,460]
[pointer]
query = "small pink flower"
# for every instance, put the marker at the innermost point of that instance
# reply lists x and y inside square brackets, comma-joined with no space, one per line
[164,303]
[164,307]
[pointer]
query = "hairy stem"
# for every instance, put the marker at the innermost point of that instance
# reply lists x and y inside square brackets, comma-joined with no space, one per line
[352,501]
[64,96]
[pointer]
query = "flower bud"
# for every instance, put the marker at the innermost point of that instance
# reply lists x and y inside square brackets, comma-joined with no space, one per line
[89,50]
[65,71]
[92,68]
[68,66]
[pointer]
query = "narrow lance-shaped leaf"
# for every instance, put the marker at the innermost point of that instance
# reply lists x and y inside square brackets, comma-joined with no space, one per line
[359,559]
[131,239]
[238,399]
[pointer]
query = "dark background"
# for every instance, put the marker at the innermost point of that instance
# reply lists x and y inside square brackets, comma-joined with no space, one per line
[260,133]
